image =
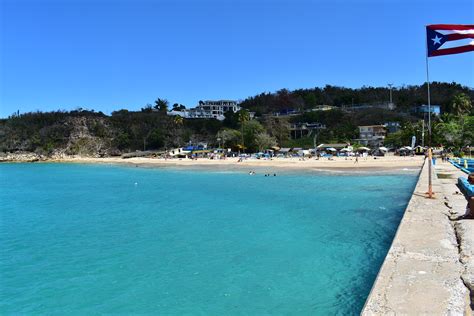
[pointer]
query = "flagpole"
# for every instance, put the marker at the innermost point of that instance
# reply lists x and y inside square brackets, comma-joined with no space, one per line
[430,159]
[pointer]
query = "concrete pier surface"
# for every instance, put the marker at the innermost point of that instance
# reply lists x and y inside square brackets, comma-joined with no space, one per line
[429,267]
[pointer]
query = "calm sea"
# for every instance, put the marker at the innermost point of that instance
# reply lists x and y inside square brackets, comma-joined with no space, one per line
[92,239]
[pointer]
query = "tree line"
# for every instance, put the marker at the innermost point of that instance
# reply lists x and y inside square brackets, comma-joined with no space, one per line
[89,132]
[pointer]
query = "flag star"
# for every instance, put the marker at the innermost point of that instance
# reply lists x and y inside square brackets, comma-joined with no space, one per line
[436,40]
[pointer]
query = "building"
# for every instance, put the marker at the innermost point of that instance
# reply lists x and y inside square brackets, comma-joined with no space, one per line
[215,109]
[425,109]
[209,110]
[294,112]
[286,112]
[299,130]
[322,107]
[392,127]
[372,135]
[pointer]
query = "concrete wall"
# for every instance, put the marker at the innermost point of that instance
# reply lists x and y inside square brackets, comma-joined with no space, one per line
[421,273]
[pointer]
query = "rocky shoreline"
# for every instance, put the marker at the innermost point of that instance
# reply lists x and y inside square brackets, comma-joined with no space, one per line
[22,157]
[35,157]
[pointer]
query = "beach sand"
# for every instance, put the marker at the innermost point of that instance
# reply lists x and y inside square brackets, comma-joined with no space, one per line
[338,163]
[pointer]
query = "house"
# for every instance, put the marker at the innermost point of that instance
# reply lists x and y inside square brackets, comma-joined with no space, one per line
[425,109]
[392,127]
[286,112]
[371,135]
[299,130]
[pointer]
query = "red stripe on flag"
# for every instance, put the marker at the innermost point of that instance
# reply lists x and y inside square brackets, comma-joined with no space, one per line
[454,50]
[457,36]
[452,27]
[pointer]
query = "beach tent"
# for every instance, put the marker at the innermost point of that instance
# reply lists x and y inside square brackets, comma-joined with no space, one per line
[336,146]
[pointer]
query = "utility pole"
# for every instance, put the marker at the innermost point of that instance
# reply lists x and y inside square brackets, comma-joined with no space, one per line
[390,87]
[423,133]
[315,139]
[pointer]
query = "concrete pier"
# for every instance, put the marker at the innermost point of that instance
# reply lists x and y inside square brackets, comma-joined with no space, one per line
[426,268]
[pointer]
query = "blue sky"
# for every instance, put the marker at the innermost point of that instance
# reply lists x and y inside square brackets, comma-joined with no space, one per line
[108,55]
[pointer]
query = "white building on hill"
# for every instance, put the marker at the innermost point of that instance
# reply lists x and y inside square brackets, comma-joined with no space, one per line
[209,109]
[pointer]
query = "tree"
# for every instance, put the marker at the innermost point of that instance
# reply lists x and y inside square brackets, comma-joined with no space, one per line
[264,141]
[148,108]
[461,104]
[231,119]
[310,100]
[155,139]
[468,131]
[230,137]
[394,139]
[161,105]
[178,120]
[122,141]
[449,134]
[178,107]
[277,127]
[250,130]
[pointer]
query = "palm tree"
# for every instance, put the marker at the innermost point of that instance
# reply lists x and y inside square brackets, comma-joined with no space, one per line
[461,104]
[161,105]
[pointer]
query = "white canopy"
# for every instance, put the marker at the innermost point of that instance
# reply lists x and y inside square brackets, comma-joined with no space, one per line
[363,148]
[346,149]
[331,149]
[383,148]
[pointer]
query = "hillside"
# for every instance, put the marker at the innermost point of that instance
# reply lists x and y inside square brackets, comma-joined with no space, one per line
[90,133]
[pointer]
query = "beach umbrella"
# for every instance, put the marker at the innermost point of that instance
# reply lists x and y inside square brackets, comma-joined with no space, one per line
[383,148]
[363,148]
[331,149]
[345,149]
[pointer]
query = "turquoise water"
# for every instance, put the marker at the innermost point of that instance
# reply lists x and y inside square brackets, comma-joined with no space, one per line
[88,239]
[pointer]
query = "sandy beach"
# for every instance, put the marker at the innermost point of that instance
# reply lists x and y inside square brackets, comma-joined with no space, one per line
[337,163]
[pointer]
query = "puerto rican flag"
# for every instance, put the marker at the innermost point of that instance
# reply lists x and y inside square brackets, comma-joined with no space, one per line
[447,39]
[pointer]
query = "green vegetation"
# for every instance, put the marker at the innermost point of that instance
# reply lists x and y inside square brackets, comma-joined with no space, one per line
[405,97]
[94,133]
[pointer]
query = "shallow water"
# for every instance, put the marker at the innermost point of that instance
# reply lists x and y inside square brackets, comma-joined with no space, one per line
[85,239]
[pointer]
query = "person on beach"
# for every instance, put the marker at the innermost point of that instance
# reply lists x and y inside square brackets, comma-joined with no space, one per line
[470,201]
